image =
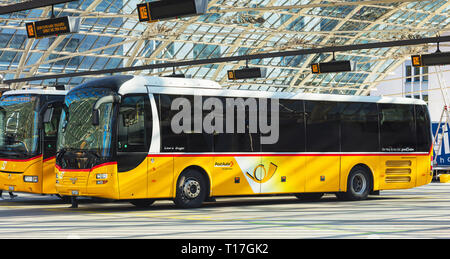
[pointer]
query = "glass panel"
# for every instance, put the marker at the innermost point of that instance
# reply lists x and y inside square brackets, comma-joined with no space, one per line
[132,133]
[78,132]
[397,128]
[19,131]
[322,126]
[359,127]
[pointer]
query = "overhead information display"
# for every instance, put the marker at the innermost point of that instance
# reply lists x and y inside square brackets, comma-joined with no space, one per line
[246,73]
[434,59]
[169,9]
[53,27]
[331,67]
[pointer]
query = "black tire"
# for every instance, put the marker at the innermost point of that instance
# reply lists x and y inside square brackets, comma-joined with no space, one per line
[191,189]
[64,199]
[309,196]
[359,185]
[142,203]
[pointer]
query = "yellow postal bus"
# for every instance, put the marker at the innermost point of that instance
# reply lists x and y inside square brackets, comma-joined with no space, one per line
[147,138]
[29,122]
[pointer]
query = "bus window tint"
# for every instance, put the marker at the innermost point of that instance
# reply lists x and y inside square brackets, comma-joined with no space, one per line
[397,128]
[292,128]
[51,127]
[359,127]
[322,126]
[189,141]
[133,135]
[169,140]
[236,141]
[51,133]
[424,138]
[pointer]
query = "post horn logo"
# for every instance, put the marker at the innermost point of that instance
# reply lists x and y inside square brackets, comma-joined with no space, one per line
[261,175]
[74,180]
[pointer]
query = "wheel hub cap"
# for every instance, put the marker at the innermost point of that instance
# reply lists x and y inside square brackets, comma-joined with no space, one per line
[191,189]
[359,183]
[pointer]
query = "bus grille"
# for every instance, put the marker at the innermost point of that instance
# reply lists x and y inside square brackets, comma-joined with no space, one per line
[398,171]
[75,179]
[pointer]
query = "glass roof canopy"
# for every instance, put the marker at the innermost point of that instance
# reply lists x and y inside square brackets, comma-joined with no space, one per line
[111,36]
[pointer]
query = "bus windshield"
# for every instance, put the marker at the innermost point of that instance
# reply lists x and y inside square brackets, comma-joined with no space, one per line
[77,132]
[18,125]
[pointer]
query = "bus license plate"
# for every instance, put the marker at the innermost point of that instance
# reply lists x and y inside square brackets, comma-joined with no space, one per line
[11,188]
[74,192]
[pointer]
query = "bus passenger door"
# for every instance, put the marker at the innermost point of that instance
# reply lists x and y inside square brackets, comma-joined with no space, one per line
[134,131]
[49,150]
[160,166]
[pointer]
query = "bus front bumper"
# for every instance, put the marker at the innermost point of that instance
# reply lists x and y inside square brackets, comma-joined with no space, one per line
[21,175]
[100,181]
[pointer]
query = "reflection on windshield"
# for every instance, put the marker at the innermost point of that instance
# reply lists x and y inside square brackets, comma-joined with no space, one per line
[77,133]
[18,125]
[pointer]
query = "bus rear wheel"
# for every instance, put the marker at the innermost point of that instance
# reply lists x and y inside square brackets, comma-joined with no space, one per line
[359,185]
[191,189]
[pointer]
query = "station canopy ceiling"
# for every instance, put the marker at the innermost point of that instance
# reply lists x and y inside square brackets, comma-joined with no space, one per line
[112,37]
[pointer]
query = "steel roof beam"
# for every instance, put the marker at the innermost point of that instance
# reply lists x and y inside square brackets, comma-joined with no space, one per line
[27,5]
[343,48]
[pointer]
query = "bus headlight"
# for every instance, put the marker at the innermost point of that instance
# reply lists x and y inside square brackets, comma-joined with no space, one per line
[101,176]
[30,179]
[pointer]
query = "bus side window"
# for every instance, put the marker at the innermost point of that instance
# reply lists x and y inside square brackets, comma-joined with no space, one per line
[359,127]
[322,126]
[397,128]
[51,133]
[191,141]
[51,128]
[424,138]
[291,126]
[134,131]
[236,141]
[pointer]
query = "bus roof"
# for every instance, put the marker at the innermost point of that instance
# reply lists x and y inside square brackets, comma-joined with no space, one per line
[36,91]
[171,82]
[181,86]
[126,84]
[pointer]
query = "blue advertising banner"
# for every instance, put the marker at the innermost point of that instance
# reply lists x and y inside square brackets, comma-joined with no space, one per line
[443,156]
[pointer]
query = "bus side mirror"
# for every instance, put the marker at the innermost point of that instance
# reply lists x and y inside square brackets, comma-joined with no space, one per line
[98,103]
[95,117]
[48,115]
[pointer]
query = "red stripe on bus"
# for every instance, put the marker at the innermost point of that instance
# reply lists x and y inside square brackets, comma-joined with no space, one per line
[20,160]
[85,170]
[104,164]
[49,158]
[280,155]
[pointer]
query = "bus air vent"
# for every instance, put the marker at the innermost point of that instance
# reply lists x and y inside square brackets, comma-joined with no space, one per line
[398,163]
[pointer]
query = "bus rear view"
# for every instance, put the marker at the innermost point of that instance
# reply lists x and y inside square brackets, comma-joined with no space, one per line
[28,132]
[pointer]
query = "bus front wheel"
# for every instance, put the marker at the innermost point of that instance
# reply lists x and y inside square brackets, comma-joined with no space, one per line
[359,185]
[191,189]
